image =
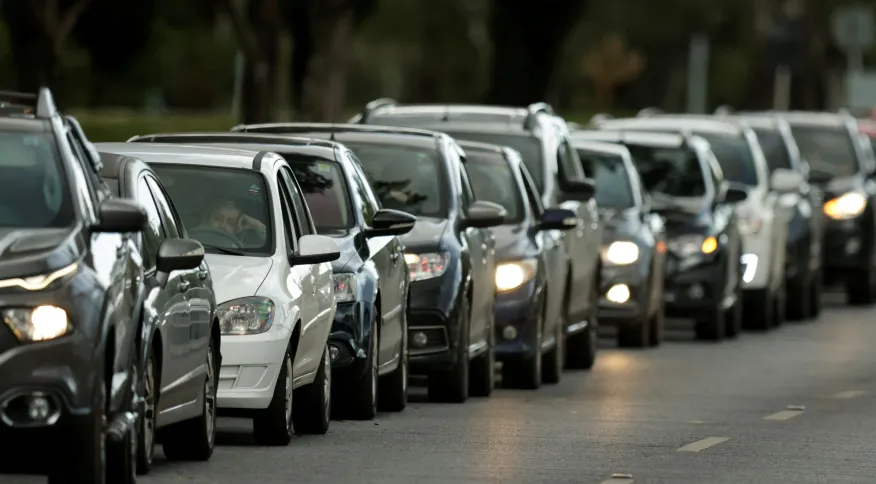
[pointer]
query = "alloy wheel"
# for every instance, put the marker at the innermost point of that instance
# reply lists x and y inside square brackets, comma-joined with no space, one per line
[288,365]
[210,396]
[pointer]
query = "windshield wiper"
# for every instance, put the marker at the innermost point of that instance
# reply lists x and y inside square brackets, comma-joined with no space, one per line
[223,250]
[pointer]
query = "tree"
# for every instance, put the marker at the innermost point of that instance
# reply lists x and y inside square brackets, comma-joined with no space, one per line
[610,65]
[527,38]
[38,30]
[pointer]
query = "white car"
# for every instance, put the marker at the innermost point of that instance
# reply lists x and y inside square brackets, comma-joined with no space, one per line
[763,220]
[272,278]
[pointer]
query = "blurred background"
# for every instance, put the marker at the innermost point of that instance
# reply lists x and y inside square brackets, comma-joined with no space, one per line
[134,66]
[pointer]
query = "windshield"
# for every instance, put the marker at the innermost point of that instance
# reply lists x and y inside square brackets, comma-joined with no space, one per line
[33,186]
[612,181]
[774,149]
[827,148]
[672,171]
[404,178]
[529,148]
[734,156]
[492,180]
[325,192]
[226,209]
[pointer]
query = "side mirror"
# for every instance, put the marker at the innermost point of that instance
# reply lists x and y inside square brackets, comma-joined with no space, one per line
[390,222]
[734,194]
[558,219]
[819,177]
[179,255]
[786,181]
[581,189]
[120,215]
[315,249]
[484,214]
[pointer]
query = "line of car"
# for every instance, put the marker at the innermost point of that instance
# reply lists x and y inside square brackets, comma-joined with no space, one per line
[291,272]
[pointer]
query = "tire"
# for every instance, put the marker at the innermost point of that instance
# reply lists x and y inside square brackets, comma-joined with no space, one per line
[581,348]
[482,370]
[710,326]
[85,462]
[311,404]
[779,302]
[553,361]
[194,439]
[526,373]
[733,316]
[121,457]
[360,396]
[146,421]
[758,311]
[798,304]
[392,393]
[634,334]
[814,292]
[451,386]
[861,288]
[655,327]
[273,425]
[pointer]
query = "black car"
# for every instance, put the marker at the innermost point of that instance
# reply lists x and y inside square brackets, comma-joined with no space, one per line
[634,246]
[803,271]
[542,139]
[839,164]
[530,263]
[703,267]
[180,332]
[71,302]
[449,252]
[368,341]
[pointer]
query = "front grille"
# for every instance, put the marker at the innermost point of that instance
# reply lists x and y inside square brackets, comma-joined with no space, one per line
[7,338]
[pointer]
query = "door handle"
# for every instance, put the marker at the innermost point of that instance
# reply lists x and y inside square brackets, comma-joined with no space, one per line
[202,274]
[184,286]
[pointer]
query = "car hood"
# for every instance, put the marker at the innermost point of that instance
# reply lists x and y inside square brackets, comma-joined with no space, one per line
[619,223]
[682,214]
[512,241]
[235,277]
[426,234]
[35,251]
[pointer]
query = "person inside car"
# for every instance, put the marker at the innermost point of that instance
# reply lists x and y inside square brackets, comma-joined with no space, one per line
[229,218]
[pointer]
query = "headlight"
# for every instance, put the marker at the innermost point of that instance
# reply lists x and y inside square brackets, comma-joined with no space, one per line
[345,287]
[41,323]
[511,275]
[427,266]
[689,245]
[750,224]
[42,281]
[621,253]
[847,206]
[247,315]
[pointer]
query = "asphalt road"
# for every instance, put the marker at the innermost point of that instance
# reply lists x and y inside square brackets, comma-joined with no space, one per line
[790,406]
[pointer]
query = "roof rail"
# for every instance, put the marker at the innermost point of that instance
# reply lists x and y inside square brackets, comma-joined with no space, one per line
[373,106]
[532,112]
[723,110]
[600,117]
[42,102]
[648,112]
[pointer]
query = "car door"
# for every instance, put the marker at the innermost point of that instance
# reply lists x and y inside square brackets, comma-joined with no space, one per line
[318,280]
[169,303]
[197,285]
[483,267]
[389,262]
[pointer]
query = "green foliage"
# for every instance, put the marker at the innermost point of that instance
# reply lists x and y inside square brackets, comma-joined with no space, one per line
[120,126]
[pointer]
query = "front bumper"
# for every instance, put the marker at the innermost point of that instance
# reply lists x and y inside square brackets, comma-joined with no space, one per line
[350,335]
[635,278]
[31,450]
[433,323]
[516,322]
[693,287]
[848,245]
[250,367]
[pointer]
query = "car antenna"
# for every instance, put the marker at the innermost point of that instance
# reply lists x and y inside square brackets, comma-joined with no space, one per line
[332,134]
[446,116]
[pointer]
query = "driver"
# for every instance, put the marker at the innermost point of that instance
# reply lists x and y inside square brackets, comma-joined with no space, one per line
[228,218]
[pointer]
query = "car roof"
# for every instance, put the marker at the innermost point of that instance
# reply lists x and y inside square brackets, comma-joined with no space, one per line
[645,138]
[688,122]
[446,112]
[600,147]
[810,118]
[316,151]
[203,155]
[298,128]
[24,124]
[379,137]
[754,121]
[229,137]
[113,162]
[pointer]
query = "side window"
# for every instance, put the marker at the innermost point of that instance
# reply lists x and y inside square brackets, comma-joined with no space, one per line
[360,191]
[168,217]
[567,158]
[288,218]
[90,177]
[303,221]
[466,193]
[531,193]
[153,234]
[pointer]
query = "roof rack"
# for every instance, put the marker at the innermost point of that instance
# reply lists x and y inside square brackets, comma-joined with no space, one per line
[648,112]
[227,137]
[532,112]
[373,106]
[41,102]
[600,117]
[723,110]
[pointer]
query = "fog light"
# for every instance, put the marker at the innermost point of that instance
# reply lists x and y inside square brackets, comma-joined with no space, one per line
[618,293]
[853,245]
[696,291]
[39,408]
[419,339]
[334,352]
[509,332]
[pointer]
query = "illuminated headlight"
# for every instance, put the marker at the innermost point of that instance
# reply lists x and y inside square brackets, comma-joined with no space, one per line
[41,323]
[621,253]
[247,315]
[511,275]
[847,206]
[750,224]
[689,245]
[42,281]
[427,266]
[345,287]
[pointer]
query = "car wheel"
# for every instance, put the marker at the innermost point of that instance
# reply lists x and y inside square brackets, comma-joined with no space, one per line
[581,348]
[146,422]
[360,396]
[798,304]
[655,326]
[710,326]
[779,305]
[861,287]
[194,439]
[121,456]
[311,404]
[85,463]
[273,425]
[482,370]
[758,311]
[815,295]
[733,316]
[526,373]
[554,360]
[392,393]
[451,386]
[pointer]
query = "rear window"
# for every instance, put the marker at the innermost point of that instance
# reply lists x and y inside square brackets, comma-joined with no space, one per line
[671,171]
[529,148]
[827,148]
[734,156]
[774,149]
[492,180]
[610,174]
[33,184]
[325,191]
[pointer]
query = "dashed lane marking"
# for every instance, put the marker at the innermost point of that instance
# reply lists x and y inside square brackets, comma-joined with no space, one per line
[783,415]
[849,394]
[619,479]
[702,444]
